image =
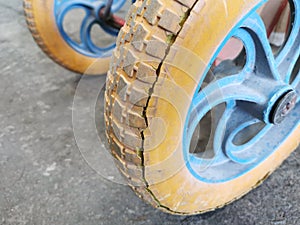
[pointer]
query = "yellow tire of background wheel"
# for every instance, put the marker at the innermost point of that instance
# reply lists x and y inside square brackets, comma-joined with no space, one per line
[157,172]
[41,22]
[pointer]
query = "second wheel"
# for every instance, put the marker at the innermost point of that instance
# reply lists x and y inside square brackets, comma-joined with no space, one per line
[76,34]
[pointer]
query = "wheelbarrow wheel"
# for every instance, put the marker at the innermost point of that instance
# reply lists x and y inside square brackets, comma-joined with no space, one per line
[192,132]
[46,21]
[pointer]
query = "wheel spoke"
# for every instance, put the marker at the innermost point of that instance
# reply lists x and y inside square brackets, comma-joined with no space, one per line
[85,32]
[288,56]
[250,48]
[296,84]
[65,6]
[225,90]
[219,134]
[221,91]
[237,122]
[208,149]
[226,124]
[233,121]
[265,64]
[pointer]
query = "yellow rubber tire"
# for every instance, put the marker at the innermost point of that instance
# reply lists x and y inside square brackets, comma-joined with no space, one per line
[144,129]
[41,23]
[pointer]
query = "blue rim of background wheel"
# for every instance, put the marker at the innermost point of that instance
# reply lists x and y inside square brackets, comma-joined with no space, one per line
[91,7]
[247,99]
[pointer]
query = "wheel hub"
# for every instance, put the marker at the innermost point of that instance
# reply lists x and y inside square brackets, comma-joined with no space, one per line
[259,104]
[283,107]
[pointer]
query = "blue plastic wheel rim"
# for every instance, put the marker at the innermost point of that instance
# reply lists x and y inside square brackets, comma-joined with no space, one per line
[91,7]
[231,161]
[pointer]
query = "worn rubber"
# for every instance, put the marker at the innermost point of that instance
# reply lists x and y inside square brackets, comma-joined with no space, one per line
[136,80]
[41,23]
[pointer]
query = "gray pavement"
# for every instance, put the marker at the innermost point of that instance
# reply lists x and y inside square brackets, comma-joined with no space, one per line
[45,180]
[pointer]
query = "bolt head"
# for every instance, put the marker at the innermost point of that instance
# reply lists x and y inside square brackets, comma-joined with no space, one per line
[283,107]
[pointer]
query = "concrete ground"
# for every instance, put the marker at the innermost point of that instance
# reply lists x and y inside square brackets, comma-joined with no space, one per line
[43,176]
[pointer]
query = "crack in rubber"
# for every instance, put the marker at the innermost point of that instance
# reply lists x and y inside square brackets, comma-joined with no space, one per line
[170,41]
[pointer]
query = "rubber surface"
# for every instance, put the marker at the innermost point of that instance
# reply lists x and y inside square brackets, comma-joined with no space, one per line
[148,150]
[41,23]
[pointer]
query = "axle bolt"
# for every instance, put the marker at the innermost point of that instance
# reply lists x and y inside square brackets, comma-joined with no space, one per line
[283,107]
